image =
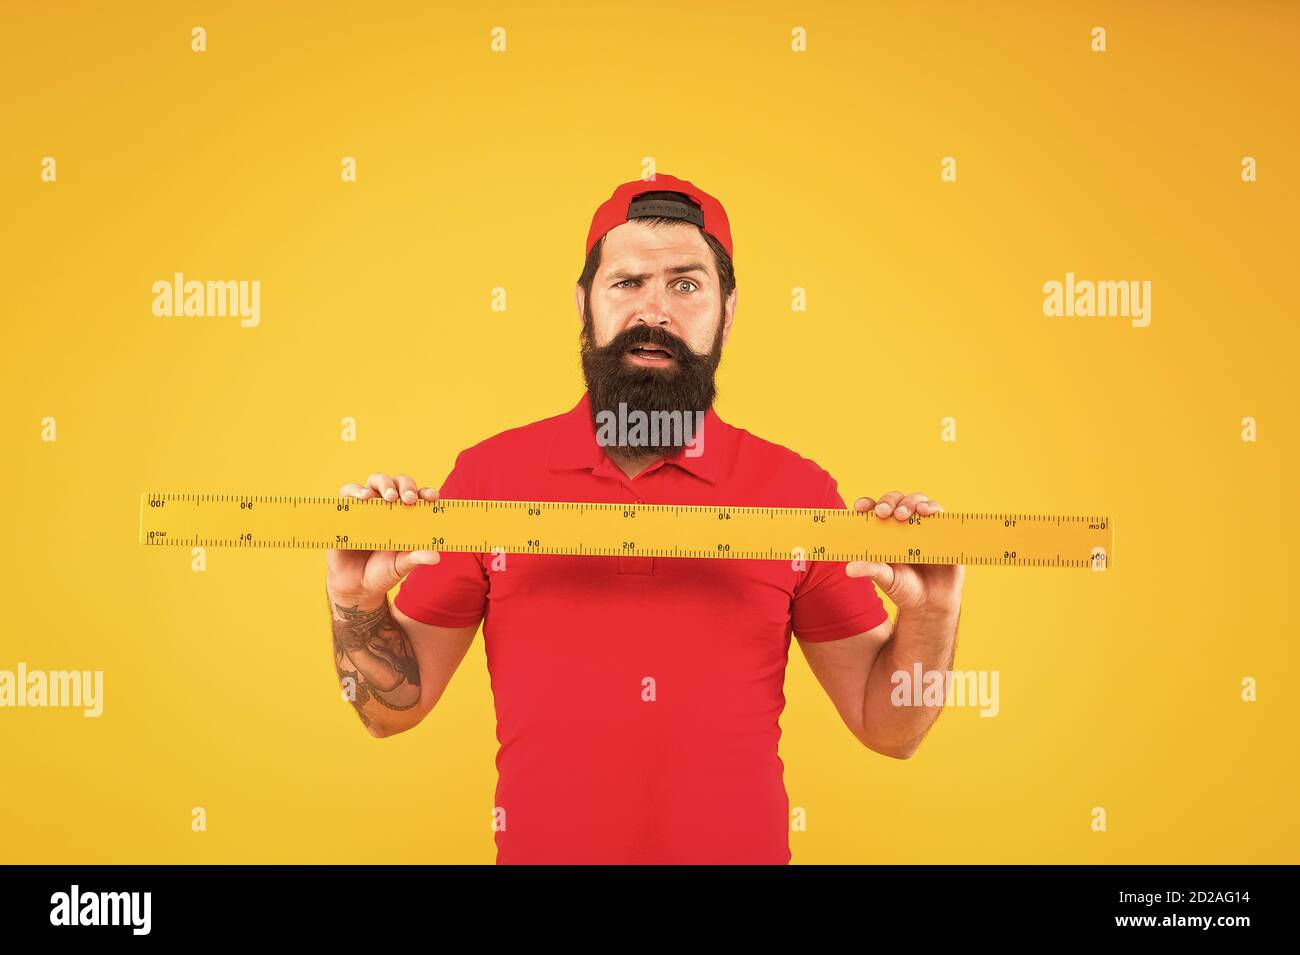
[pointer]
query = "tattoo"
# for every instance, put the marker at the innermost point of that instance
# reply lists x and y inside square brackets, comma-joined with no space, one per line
[372,649]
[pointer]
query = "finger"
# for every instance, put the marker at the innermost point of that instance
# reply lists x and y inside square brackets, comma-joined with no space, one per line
[407,487]
[885,506]
[863,504]
[908,505]
[382,485]
[928,507]
[352,490]
[428,494]
[408,560]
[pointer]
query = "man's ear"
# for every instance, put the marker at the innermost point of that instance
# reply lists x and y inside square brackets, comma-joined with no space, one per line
[728,315]
[578,299]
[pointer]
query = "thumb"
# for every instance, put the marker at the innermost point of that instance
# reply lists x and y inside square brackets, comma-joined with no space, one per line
[882,574]
[407,560]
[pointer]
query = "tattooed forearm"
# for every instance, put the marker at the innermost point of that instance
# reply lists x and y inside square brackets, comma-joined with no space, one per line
[373,651]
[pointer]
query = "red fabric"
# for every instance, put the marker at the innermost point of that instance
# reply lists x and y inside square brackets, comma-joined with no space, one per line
[589,770]
[613,211]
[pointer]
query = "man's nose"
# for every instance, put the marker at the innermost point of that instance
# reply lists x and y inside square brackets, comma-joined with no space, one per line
[651,309]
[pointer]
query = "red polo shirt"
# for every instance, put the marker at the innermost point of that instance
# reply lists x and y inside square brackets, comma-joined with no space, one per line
[638,698]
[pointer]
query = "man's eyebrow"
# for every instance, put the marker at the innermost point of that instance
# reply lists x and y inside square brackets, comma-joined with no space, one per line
[620,275]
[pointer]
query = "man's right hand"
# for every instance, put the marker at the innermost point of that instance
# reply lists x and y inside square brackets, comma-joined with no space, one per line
[364,577]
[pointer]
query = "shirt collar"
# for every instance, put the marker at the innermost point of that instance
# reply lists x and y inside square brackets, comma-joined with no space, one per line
[573,444]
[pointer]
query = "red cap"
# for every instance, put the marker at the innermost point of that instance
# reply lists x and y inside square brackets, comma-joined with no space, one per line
[638,198]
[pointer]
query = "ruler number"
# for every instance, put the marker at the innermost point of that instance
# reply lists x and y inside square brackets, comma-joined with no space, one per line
[629,545]
[154,502]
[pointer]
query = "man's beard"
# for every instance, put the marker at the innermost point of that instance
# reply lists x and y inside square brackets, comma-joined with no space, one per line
[686,385]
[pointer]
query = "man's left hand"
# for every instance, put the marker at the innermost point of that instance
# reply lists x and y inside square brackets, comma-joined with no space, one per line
[923,588]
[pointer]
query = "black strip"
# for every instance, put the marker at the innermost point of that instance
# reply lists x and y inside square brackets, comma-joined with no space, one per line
[346,905]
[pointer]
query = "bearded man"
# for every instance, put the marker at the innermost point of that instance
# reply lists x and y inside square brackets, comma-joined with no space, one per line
[638,698]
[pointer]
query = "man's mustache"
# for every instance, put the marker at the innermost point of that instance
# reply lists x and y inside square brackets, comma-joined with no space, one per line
[648,335]
[645,335]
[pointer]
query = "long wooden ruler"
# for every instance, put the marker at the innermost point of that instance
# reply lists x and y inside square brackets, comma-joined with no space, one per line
[256,521]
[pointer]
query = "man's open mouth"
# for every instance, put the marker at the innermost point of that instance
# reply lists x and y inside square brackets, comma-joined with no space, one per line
[650,353]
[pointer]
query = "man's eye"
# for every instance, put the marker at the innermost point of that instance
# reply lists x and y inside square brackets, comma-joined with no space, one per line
[679,283]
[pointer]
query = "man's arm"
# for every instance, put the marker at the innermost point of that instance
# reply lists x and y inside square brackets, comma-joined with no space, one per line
[393,669]
[857,673]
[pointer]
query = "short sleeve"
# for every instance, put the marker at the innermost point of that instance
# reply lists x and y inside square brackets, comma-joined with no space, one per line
[452,592]
[828,604]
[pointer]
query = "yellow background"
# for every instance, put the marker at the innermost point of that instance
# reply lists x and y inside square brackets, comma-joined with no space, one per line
[477,170]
